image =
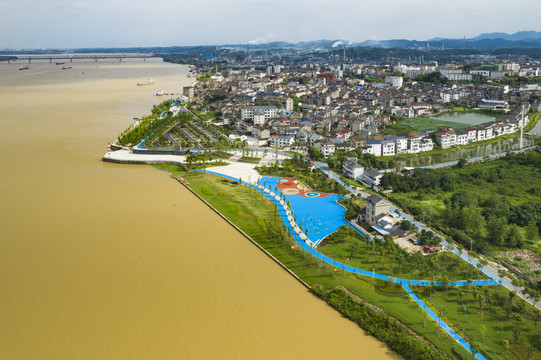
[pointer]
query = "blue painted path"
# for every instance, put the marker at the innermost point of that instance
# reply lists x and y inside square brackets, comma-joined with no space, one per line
[404,282]
[335,223]
[440,322]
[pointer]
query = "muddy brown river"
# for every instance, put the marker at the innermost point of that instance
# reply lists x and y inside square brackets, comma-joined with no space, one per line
[105,261]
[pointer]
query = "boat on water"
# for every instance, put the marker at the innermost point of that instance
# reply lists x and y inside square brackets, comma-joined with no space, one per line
[59,63]
[159,93]
[149,82]
[24,68]
[66,67]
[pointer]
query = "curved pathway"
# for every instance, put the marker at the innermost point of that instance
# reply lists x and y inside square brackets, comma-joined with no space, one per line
[303,241]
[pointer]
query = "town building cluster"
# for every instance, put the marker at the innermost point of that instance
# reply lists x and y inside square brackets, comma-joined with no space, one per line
[331,108]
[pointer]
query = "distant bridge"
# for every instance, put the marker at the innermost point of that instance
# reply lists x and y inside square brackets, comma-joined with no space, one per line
[72,57]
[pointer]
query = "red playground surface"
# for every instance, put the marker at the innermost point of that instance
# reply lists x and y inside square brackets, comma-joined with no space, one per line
[290,186]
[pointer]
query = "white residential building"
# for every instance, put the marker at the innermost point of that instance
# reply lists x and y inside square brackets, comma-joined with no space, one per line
[388,148]
[353,170]
[483,73]
[394,81]
[281,141]
[373,147]
[446,139]
[372,177]
[401,145]
[449,96]
[472,134]
[461,137]
[426,144]
[326,147]
[269,112]
[492,104]
[460,77]
[481,134]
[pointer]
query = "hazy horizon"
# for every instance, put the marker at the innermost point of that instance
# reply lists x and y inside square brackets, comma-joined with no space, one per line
[64,24]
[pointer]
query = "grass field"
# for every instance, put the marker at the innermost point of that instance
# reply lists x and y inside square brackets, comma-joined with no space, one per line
[489,323]
[422,123]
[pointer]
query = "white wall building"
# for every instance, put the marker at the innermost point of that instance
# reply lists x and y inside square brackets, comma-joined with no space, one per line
[394,81]
[373,147]
[247,113]
[353,170]
[388,148]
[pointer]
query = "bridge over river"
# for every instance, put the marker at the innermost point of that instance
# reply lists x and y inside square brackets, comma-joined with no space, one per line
[72,57]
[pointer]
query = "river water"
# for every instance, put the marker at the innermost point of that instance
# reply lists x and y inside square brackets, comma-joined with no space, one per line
[105,261]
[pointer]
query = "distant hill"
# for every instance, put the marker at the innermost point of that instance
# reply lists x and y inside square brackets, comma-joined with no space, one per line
[522,39]
[521,35]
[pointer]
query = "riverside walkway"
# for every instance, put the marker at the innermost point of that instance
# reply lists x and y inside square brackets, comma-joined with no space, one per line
[308,245]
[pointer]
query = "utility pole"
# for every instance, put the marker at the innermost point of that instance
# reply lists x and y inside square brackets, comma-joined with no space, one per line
[522,126]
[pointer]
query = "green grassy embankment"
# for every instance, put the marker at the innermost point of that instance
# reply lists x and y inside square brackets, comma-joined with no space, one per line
[499,324]
[249,210]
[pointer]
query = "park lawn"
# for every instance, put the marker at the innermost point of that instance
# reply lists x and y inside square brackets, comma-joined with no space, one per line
[397,128]
[391,300]
[357,252]
[493,317]
[350,182]
[207,116]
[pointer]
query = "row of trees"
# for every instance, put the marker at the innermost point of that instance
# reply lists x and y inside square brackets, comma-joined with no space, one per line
[335,160]
[390,259]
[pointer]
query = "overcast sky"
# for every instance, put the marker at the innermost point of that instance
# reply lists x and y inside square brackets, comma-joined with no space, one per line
[123,23]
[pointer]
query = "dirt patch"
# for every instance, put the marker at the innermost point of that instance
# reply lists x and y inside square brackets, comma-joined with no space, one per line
[406,243]
[524,260]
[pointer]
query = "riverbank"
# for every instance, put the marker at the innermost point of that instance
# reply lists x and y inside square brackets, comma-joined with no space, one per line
[276,241]
[105,261]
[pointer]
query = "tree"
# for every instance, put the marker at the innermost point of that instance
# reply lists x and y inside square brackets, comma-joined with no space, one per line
[315,153]
[496,205]
[532,232]
[506,345]
[517,322]
[515,238]
[406,225]
[536,317]
[459,293]
[461,163]
[483,330]
[496,230]
[480,301]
